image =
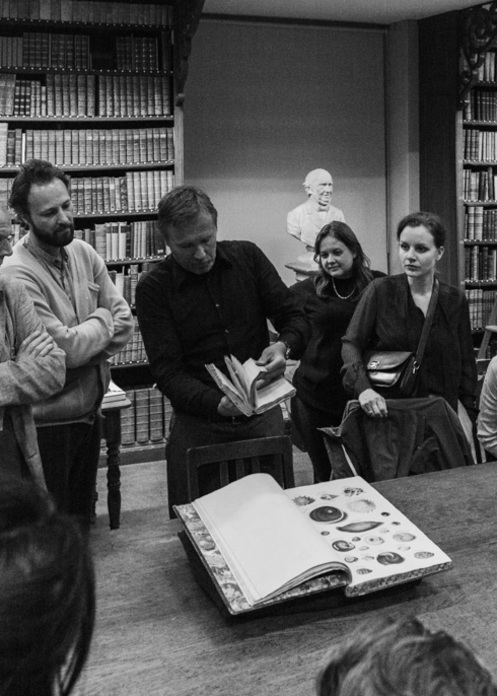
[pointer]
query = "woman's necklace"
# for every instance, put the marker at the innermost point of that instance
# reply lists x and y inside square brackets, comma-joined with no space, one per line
[341,297]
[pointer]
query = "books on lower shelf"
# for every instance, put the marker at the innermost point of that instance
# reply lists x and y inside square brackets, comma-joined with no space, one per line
[243,389]
[480,303]
[146,422]
[263,545]
[134,350]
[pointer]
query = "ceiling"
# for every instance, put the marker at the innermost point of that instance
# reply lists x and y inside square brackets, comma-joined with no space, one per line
[363,11]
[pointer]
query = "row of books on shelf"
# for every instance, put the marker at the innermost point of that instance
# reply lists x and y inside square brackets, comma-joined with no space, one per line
[93,11]
[5,187]
[480,303]
[140,53]
[481,105]
[480,263]
[479,184]
[84,95]
[120,241]
[480,224]
[480,145]
[44,50]
[133,192]
[133,351]
[487,71]
[127,279]
[87,146]
[147,420]
[74,52]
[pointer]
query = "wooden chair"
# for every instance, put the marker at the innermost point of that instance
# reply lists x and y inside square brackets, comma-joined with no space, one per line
[237,459]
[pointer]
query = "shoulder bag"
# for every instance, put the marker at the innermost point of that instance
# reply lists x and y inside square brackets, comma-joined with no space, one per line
[393,373]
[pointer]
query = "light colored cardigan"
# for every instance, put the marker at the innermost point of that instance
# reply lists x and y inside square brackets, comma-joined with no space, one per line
[24,379]
[97,327]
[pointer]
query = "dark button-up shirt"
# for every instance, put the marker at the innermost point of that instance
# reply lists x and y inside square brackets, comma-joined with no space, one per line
[188,320]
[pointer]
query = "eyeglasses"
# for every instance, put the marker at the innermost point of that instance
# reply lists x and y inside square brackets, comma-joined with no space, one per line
[9,239]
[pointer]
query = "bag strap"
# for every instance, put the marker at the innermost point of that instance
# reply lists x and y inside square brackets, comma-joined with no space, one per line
[423,340]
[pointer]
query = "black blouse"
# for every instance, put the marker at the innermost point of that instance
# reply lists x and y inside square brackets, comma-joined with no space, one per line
[386,318]
[317,379]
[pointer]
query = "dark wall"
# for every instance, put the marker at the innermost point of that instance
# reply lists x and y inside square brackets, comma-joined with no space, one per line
[438,88]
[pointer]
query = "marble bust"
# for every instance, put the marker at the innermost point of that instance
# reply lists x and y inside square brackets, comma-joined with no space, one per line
[305,221]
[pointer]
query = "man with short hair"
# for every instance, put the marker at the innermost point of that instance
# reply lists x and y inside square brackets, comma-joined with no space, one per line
[87,317]
[306,220]
[208,299]
[31,368]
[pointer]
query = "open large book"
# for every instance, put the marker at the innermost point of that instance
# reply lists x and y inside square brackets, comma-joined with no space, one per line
[243,388]
[262,544]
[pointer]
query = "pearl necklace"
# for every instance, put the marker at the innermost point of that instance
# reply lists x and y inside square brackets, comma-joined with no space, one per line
[341,297]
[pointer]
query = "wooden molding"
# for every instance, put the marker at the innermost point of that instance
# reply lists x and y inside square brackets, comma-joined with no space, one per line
[186,19]
[478,33]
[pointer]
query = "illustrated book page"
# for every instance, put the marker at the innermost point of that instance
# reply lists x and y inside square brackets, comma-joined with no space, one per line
[378,545]
[273,540]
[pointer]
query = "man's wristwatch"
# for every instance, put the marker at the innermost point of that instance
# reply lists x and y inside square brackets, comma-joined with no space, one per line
[288,349]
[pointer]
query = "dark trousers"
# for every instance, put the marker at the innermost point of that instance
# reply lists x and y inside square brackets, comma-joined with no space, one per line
[189,431]
[307,419]
[69,456]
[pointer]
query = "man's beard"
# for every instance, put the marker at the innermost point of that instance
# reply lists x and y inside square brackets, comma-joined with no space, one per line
[60,237]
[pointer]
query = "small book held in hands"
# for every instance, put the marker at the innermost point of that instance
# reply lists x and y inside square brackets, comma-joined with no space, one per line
[263,545]
[244,389]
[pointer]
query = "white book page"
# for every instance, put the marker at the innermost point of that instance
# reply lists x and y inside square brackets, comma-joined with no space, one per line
[263,537]
[372,537]
[235,394]
[273,393]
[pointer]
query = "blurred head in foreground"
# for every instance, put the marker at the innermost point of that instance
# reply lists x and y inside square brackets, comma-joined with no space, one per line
[402,658]
[47,594]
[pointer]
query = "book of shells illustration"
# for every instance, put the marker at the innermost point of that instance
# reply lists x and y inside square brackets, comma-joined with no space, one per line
[372,543]
[365,529]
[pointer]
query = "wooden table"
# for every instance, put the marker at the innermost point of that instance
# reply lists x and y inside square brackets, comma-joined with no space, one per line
[157,632]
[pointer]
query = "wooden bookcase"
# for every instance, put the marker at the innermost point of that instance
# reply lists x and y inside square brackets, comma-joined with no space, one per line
[96,87]
[458,147]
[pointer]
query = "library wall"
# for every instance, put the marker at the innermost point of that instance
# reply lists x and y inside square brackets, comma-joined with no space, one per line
[402,99]
[266,103]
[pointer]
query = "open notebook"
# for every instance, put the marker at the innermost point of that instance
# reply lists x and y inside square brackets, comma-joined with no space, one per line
[261,544]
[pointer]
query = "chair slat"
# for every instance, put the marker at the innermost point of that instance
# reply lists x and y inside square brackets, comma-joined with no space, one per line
[245,456]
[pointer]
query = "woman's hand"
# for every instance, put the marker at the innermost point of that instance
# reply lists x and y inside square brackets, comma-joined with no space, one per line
[373,404]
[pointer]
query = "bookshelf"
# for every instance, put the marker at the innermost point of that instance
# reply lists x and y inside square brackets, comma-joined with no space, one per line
[97,88]
[458,148]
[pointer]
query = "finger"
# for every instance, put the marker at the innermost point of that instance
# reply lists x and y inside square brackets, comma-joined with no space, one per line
[32,339]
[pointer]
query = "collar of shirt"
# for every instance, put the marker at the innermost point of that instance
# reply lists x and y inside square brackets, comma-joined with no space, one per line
[35,249]
[181,277]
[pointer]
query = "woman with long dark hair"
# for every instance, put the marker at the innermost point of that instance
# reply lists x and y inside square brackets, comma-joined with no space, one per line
[329,300]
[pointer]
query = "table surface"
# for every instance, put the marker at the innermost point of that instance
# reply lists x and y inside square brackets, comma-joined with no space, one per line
[158,633]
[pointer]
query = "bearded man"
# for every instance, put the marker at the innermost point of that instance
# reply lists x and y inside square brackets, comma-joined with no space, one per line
[86,316]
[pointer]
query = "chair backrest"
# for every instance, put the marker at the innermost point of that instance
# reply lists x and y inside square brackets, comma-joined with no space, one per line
[237,459]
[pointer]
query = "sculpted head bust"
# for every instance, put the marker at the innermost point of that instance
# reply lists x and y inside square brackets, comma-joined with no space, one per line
[318,185]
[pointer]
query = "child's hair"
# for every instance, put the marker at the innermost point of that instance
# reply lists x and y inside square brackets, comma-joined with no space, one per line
[402,658]
[47,594]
